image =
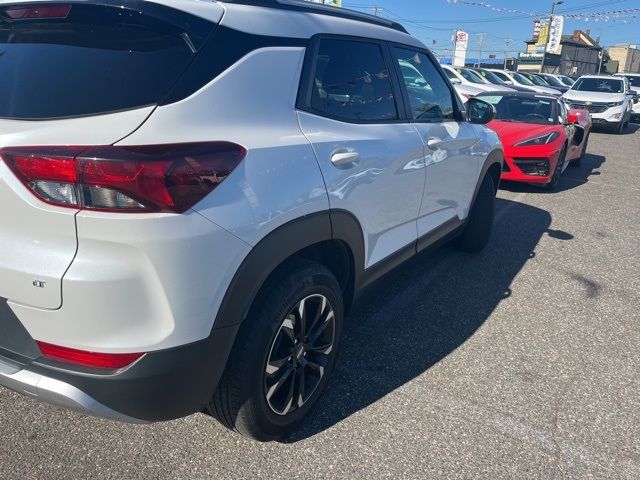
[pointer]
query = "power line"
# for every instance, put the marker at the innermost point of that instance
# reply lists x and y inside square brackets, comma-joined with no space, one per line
[500,18]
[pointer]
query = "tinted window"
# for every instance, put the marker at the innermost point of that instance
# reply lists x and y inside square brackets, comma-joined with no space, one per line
[351,82]
[567,81]
[633,80]
[537,80]
[521,78]
[553,81]
[429,93]
[502,76]
[604,85]
[450,74]
[467,75]
[90,60]
[491,77]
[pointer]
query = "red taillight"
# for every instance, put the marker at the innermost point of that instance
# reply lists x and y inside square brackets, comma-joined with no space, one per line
[152,178]
[88,359]
[24,12]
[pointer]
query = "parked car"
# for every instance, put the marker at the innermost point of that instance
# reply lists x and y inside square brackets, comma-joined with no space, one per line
[541,82]
[552,81]
[540,136]
[189,211]
[634,84]
[516,78]
[464,77]
[608,99]
[506,84]
[568,81]
[466,91]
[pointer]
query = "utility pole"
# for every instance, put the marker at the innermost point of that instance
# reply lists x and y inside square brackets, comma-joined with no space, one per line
[507,44]
[453,51]
[601,57]
[483,39]
[546,45]
[376,9]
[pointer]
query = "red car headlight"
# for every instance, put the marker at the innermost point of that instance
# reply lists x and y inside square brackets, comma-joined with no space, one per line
[539,140]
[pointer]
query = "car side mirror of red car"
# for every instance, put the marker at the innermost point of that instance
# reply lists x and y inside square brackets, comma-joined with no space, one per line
[572,118]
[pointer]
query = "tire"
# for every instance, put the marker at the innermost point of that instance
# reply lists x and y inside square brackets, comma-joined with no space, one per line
[248,399]
[477,232]
[555,178]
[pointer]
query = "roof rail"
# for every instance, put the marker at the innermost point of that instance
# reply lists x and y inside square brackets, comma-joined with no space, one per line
[311,7]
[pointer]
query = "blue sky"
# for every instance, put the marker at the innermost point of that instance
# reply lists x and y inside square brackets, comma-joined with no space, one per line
[436,19]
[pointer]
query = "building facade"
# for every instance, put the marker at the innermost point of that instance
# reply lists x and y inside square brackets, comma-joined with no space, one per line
[627,56]
[579,55]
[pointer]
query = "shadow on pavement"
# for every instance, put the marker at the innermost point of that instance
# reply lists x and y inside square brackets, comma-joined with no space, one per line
[424,310]
[573,177]
[630,130]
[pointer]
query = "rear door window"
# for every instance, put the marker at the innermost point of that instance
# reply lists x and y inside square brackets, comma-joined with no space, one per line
[84,59]
[351,82]
[430,97]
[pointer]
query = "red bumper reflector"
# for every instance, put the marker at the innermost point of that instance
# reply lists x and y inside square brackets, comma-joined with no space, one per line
[88,359]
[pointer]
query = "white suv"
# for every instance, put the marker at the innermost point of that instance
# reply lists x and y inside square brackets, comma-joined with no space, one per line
[634,84]
[608,99]
[194,193]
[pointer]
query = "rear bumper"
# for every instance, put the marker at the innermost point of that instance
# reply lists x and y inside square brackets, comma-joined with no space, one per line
[55,392]
[160,386]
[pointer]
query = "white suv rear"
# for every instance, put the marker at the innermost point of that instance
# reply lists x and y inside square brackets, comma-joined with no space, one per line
[193,194]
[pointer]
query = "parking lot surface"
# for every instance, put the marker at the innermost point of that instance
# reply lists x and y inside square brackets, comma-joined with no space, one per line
[520,362]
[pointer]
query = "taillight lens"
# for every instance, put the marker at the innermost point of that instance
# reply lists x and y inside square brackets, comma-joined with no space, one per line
[150,178]
[88,359]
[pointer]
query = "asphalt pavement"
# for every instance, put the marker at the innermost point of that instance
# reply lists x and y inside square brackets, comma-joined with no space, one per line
[520,362]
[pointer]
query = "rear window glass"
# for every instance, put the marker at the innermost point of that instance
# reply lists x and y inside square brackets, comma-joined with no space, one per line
[90,59]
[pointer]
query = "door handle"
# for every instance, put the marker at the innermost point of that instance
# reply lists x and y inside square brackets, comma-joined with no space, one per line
[344,158]
[434,143]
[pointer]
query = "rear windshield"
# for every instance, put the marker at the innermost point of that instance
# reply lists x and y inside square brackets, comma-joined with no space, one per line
[71,60]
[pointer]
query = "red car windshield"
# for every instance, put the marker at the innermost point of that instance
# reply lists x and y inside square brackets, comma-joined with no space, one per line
[537,110]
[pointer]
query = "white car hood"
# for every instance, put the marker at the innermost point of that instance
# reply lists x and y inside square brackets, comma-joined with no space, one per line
[596,97]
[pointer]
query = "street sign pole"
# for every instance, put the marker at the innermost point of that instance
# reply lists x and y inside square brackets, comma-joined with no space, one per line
[546,45]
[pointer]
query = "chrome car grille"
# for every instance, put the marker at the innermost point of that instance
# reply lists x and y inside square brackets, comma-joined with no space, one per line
[593,108]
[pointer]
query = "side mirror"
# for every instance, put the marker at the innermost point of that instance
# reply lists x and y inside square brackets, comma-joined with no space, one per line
[456,81]
[479,111]
[572,118]
[508,82]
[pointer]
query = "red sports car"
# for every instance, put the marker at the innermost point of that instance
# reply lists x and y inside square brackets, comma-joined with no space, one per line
[541,137]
